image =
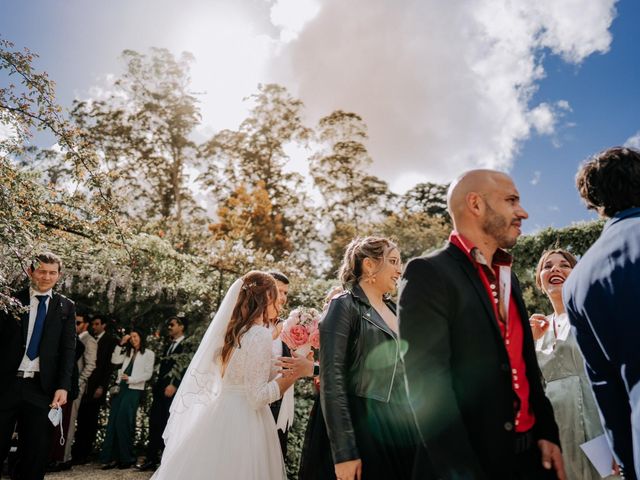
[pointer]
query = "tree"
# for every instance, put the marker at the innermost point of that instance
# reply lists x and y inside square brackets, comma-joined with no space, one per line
[249,215]
[351,196]
[34,214]
[254,157]
[429,198]
[143,131]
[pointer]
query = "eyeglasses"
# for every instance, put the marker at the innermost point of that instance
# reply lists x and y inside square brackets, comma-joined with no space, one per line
[79,323]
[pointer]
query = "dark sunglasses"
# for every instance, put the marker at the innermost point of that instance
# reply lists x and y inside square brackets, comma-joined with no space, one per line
[79,323]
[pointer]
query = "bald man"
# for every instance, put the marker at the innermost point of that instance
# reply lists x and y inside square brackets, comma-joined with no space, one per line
[473,377]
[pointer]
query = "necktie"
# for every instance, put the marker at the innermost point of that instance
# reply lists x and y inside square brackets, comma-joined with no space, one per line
[171,347]
[34,344]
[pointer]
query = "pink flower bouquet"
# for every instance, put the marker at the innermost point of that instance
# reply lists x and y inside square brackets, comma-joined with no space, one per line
[300,331]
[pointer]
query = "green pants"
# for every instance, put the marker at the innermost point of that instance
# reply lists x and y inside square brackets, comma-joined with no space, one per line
[118,442]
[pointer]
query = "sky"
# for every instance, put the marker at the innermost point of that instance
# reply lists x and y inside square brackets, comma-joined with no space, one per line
[530,88]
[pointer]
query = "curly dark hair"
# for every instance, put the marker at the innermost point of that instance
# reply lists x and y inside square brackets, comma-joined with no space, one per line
[609,182]
[258,291]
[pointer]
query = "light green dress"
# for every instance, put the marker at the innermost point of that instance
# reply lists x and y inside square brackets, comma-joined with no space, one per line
[569,391]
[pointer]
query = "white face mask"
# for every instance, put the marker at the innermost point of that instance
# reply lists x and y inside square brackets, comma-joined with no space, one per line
[55,417]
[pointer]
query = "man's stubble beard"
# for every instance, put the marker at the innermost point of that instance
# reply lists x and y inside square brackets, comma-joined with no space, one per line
[496,226]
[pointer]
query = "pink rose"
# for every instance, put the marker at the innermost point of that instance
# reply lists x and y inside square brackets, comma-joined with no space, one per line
[314,339]
[295,336]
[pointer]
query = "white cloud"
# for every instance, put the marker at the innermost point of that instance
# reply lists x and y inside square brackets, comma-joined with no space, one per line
[443,86]
[633,141]
[292,15]
[536,177]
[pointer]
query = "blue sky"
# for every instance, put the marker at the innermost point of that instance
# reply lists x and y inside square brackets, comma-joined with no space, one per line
[604,92]
[531,89]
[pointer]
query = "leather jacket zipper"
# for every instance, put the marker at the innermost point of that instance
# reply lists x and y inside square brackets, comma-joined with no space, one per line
[395,363]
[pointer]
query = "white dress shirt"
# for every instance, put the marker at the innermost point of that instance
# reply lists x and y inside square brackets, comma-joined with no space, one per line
[28,365]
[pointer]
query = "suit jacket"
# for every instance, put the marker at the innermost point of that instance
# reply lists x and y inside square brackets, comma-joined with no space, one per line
[100,376]
[458,369]
[166,365]
[602,299]
[57,346]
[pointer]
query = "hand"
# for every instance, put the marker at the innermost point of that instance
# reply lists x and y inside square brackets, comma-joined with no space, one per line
[170,391]
[98,393]
[296,366]
[539,325]
[349,470]
[125,377]
[125,339]
[552,458]
[59,398]
[615,468]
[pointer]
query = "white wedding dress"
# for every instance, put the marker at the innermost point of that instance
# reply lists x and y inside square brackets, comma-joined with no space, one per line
[228,431]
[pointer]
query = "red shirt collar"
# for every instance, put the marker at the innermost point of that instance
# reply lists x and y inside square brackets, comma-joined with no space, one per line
[500,257]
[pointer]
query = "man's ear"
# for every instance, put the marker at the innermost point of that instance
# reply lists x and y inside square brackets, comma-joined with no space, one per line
[475,204]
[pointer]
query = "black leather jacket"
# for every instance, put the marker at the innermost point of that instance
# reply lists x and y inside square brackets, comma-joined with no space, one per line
[359,356]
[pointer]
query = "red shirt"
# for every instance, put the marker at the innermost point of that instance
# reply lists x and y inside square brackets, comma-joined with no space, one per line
[511,330]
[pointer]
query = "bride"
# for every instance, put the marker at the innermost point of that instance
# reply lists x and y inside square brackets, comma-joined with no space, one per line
[220,424]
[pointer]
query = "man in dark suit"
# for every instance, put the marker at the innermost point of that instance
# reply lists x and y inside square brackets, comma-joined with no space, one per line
[164,390]
[36,362]
[473,378]
[95,394]
[601,298]
[295,365]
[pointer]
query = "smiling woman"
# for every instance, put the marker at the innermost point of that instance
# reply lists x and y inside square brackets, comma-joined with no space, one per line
[562,366]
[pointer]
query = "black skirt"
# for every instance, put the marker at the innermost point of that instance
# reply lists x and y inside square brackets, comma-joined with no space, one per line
[386,437]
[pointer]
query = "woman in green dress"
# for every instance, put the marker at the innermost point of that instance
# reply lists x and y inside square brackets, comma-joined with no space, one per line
[562,365]
[136,368]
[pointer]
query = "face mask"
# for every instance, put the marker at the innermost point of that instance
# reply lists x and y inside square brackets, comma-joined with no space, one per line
[55,417]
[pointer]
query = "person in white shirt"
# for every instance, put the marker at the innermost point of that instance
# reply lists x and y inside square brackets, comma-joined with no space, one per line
[86,366]
[136,370]
[31,387]
[562,366]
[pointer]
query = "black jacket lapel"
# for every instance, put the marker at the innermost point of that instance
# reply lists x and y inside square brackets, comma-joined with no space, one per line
[25,300]
[472,274]
[369,313]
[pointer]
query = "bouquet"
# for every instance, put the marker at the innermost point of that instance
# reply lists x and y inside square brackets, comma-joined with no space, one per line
[300,330]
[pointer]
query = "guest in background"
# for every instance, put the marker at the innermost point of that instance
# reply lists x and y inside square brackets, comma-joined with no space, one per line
[95,393]
[473,377]
[164,390]
[315,456]
[136,370]
[36,364]
[601,298]
[86,365]
[562,365]
[362,385]
[60,435]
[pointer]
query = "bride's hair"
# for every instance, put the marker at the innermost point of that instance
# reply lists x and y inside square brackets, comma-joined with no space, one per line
[258,291]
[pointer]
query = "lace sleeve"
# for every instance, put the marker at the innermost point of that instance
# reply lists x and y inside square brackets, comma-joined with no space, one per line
[260,390]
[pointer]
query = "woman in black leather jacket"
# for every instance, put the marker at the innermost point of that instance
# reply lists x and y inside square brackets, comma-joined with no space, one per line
[369,424]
